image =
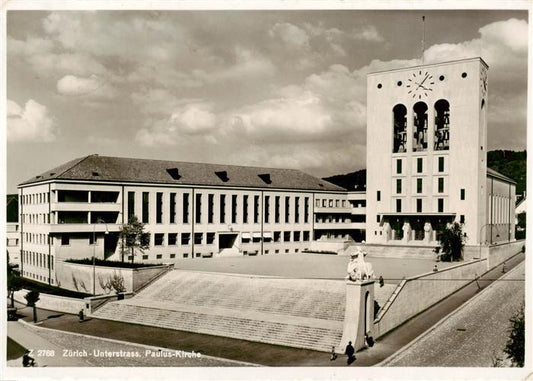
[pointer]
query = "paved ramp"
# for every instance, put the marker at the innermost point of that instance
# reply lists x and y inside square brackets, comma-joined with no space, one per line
[302,313]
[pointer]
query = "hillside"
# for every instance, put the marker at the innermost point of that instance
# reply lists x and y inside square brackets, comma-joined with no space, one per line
[509,163]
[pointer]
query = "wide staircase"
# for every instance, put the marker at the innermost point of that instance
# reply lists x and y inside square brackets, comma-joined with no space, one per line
[302,313]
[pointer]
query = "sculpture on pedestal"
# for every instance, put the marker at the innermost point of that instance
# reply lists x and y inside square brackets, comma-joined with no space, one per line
[358,269]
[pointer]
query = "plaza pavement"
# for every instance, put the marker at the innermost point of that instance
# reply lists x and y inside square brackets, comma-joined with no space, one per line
[475,334]
[55,348]
[265,354]
[306,265]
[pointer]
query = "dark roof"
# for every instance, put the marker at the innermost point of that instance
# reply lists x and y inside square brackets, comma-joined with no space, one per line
[493,173]
[12,208]
[118,169]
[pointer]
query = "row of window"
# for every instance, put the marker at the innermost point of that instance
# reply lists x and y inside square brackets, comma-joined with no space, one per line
[420,183]
[38,277]
[35,198]
[271,205]
[38,259]
[419,205]
[419,165]
[146,257]
[330,203]
[209,238]
[420,127]
[36,238]
[35,218]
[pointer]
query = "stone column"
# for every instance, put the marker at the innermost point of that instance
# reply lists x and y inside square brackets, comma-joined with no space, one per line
[356,324]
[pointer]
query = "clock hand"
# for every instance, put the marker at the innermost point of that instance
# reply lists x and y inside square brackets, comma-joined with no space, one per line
[424,80]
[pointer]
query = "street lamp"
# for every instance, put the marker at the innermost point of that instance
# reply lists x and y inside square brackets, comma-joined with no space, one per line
[98,221]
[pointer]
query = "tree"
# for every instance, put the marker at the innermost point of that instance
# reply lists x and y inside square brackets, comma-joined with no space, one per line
[132,236]
[14,282]
[515,347]
[32,297]
[452,241]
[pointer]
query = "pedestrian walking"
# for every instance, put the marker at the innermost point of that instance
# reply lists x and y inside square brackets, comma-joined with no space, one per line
[81,315]
[333,354]
[435,268]
[503,267]
[349,352]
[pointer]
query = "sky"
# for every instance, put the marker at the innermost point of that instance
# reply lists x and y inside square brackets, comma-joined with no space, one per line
[261,88]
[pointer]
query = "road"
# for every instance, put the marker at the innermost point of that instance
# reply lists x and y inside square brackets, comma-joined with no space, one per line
[473,335]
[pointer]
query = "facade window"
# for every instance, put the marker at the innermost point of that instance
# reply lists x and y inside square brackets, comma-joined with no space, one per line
[172,210]
[233,208]
[198,209]
[185,239]
[172,256]
[276,209]
[267,209]
[185,208]
[158,239]
[441,184]
[419,165]
[420,127]
[296,210]
[462,219]
[131,205]
[198,237]
[256,209]
[287,209]
[286,236]
[222,210]
[419,185]
[306,210]
[463,194]
[378,218]
[245,209]
[159,256]
[145,256]
[210,208]
[317,203]
[399,128]
[442,125]
[146,207]
[159,207]
[306,236]
[92,239]
[398,166]
[419,205]
[398,186]
[440,202]
[65,240]
[277,236]
[378,195]
[441,164]
[210,238]
[172,238]
[297,236]
[398,206]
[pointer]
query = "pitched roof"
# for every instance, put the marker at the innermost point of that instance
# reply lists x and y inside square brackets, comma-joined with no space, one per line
[493,173]
[106,168]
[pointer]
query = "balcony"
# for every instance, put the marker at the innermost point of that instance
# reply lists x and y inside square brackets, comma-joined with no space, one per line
[83,228]
[85,207]
[325,209]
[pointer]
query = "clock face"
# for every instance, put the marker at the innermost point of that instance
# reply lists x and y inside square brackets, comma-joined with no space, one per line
[420,84]
[483,83]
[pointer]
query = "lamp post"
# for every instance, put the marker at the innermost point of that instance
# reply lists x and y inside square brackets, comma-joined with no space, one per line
[98,221]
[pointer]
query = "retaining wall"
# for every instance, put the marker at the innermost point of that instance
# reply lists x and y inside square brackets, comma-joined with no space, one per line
[501,252]
[416,294]
[54,302]
[79,277]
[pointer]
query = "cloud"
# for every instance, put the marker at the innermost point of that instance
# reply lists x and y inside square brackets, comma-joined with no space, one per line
[91,87]
[291,35]
[31,123]
[366,33]
[190,120]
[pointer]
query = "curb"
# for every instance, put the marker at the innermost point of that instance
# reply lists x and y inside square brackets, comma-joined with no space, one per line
[241,363]
[423,335]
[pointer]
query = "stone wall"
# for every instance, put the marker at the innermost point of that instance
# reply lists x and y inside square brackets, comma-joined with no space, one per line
[501,252]
[421,292]
[54,302]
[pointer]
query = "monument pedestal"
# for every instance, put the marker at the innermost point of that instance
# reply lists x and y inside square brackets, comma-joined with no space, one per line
[359,314]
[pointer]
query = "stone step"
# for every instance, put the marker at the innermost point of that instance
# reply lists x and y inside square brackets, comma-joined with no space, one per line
[253,330]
